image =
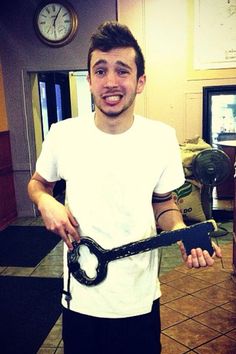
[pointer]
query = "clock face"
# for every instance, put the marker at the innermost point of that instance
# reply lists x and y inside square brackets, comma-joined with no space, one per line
[56,23]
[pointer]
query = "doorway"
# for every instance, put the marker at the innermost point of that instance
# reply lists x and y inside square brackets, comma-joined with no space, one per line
[58,95]
[54,93]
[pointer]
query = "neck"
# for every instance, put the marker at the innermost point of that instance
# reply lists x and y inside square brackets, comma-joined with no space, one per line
[113,125]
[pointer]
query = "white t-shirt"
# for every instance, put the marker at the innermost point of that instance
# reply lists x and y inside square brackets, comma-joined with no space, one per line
[110,180]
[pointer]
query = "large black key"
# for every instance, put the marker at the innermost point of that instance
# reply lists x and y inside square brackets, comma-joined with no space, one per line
[197,235]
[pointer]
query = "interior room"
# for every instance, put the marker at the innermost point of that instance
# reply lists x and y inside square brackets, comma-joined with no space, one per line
[191,86]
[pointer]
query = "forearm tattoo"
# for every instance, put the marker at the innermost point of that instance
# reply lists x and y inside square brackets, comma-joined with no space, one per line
[157,216]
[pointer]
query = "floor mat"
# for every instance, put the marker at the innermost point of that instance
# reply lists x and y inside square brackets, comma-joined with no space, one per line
[29,308]
[25,246]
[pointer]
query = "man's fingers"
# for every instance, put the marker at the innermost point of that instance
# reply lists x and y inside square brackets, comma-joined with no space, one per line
[72,219]
[73,233]
[182,250]
[71,229]
[194,258]
[217,250]
[199,258]
[66,238]
[66,231]
[209,260]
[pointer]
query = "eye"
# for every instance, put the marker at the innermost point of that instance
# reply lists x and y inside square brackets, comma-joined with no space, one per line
[123,72]
[100,72]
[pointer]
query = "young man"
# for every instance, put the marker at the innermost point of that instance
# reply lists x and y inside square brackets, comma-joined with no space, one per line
[120,169]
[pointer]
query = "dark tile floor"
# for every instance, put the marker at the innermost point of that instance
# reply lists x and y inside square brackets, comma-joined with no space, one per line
[198,307]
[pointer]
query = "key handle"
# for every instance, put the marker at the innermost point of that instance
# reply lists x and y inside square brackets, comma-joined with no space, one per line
[197,235]
[75,268]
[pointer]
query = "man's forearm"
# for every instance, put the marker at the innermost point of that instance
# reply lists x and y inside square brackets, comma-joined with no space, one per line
[168,216]
[38,188]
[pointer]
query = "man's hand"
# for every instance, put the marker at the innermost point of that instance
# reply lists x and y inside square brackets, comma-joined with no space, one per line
[57,218]
[198,257]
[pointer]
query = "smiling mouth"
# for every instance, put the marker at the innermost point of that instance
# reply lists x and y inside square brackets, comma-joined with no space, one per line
[112,99]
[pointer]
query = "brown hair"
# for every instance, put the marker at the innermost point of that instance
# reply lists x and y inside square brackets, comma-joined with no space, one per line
[112,34]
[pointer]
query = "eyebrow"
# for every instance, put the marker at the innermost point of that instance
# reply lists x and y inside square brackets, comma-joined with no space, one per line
[119,62]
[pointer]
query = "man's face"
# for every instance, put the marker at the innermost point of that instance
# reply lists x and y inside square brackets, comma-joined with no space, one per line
[113,81]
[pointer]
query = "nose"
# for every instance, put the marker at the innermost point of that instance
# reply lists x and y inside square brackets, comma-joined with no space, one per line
[111,80]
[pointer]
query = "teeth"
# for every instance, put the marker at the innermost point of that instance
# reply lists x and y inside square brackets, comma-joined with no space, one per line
[113,98]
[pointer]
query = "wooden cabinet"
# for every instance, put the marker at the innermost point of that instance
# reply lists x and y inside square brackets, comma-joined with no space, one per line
[7,192]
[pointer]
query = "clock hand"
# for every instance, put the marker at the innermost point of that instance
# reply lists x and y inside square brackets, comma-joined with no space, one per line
[54,22]
[55,33]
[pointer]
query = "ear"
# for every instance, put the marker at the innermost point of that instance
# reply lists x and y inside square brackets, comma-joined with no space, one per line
[89,79]
[141,83]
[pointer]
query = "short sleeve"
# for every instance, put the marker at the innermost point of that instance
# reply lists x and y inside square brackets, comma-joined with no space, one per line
[172,176]
[47,163]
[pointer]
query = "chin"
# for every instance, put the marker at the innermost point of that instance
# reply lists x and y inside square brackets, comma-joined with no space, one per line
[113,114]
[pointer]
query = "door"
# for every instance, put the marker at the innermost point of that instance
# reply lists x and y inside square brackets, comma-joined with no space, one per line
[54,92]
[54,95]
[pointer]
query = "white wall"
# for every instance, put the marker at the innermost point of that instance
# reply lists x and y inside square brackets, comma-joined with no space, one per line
[173,92]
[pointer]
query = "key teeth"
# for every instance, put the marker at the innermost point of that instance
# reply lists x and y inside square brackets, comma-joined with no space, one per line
[214,224]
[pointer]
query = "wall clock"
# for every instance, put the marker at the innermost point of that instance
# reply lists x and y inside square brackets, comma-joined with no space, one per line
[55,22]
